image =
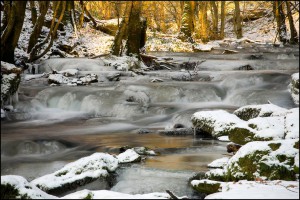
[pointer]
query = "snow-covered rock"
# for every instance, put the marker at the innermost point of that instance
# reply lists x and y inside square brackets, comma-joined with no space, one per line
[294,88]
[216,123]
[257,190]
[272,160]
[219,163]
[79,172]
[68,72]
[202,47]
[252,111]
[144,151]
[206,186]
[2,113]
[17,187]
[106,194]
[129,156]
[58,79]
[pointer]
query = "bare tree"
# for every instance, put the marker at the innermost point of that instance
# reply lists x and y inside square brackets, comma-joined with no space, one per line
[9,37]
[203,23]
[222,20]
[280,19]
[294,35]
[51,35]
[214,9]
[237,20]
[43,7]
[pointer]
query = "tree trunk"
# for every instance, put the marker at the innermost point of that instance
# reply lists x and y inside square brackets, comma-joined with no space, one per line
[214,19]
[81,18]
[202,15]
[187,24]
[237,20]
[43,7]
[294,35]
[134,29]
[11,34]
[122,31]
[222,34]
[33,12]
[280,19]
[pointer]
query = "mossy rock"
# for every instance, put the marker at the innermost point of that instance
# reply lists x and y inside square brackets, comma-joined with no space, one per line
[296,146]
[247,167]
[10,192]
[207,187]
[240,135]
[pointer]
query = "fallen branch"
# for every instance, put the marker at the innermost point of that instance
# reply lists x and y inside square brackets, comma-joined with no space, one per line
[98,56]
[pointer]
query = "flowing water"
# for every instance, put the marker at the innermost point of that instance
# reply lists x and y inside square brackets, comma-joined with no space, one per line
[56,125]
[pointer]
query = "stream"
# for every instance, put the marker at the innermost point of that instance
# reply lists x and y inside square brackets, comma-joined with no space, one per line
[59,124]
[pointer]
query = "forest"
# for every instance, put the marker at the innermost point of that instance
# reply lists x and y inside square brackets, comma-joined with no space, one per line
[149,99]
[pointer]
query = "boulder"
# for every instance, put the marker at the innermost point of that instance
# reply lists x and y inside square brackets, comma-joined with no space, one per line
[206,186]
[78,173]
[17,187]
[252,111]
[274,160]
[129,156]
[294,88]
[232,147]
[219,163]
[139,150]
[215,123]
[58,79]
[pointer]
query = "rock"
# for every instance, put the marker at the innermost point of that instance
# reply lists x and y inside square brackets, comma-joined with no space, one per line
[129,156]
[206,186]
[143,131]
[68,72]
[262,110]
[17,187]
[178,131]
[274,160]
[114,77]
[77,173]
[294,88]
[246,67]
[178,126]
[233,148]
[139,150]
[215,123]
[57,79]
[202,48]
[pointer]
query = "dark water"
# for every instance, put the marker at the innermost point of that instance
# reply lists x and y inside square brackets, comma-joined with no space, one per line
[62,124]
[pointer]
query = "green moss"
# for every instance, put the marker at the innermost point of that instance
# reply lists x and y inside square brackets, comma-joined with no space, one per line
[248,113]
[274,146]
[61,173]
[296,145]
[89,196]
[240,135]
[296,170]
[207,188]
[254,126]
[10,192]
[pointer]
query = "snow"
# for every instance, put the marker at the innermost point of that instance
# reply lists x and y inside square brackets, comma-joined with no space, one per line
[258,190]
[7,66]
[219,163]
[106,194]
[294,90]
[69,72]
[28,77]
[93,166]
[206,181]
[224,138]
[2,113]
[58,78]
[24,187]
[291,126]
[128,156]
[203,47]
[5,85]
[268,127]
